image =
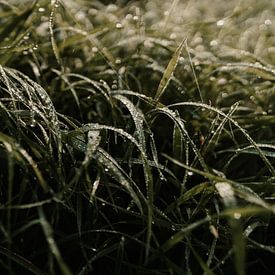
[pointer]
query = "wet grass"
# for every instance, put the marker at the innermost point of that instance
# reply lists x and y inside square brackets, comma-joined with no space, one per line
[137,137]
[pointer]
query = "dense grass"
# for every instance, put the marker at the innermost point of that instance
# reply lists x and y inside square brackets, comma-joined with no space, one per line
[137,137]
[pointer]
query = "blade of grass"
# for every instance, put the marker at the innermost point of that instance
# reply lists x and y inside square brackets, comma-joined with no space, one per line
[169,71]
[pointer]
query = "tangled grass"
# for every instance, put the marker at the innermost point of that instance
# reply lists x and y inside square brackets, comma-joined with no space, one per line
[137,137]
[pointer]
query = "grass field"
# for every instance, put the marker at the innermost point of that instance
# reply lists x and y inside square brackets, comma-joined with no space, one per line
[137,137]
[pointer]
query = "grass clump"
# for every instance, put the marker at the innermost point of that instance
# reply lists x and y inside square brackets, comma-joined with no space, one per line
[137,137]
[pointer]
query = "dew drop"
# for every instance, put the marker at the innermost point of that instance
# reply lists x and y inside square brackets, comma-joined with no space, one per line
[119,25]
[94,49]
[129,16]
[181,60]
[173,36]
[220,23]
[237,215]
[111,8]
[214,43]
[118,61]
[222,81]
[33,123]
[190,173]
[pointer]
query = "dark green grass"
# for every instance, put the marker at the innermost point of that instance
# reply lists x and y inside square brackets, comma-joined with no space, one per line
[137,137]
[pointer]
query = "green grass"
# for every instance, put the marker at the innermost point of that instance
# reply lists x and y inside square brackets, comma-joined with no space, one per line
[137,137]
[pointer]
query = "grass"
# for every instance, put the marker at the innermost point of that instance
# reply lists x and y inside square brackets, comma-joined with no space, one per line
[137,137]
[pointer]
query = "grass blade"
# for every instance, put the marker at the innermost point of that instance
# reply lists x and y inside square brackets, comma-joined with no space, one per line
[169,71]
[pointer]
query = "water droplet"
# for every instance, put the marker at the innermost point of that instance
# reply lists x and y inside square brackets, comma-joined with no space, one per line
[220,23]
[198,40]
[222,81]
[106,169]
[181,60]
[33,123]
[35,47]
[94,49]
[41,9]
[173,36]
[237,215]
[103,204]
[93,12]
[135,18]
[268,22]
[214,43]
[212,78]
[111,8]
[129,16]
[118,61]
[190,173]
[119,25]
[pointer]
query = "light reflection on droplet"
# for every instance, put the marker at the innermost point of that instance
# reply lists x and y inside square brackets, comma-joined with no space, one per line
[118,25]
[237,215]
[214,43]
[220,23]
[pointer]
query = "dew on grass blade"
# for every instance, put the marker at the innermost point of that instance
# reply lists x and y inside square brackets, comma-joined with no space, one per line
[220,23]
[237,215]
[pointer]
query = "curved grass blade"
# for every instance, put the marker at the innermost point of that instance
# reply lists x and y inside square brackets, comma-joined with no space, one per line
[169,71]
[22,156]
[48,232]
[21,261]
[253,143]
